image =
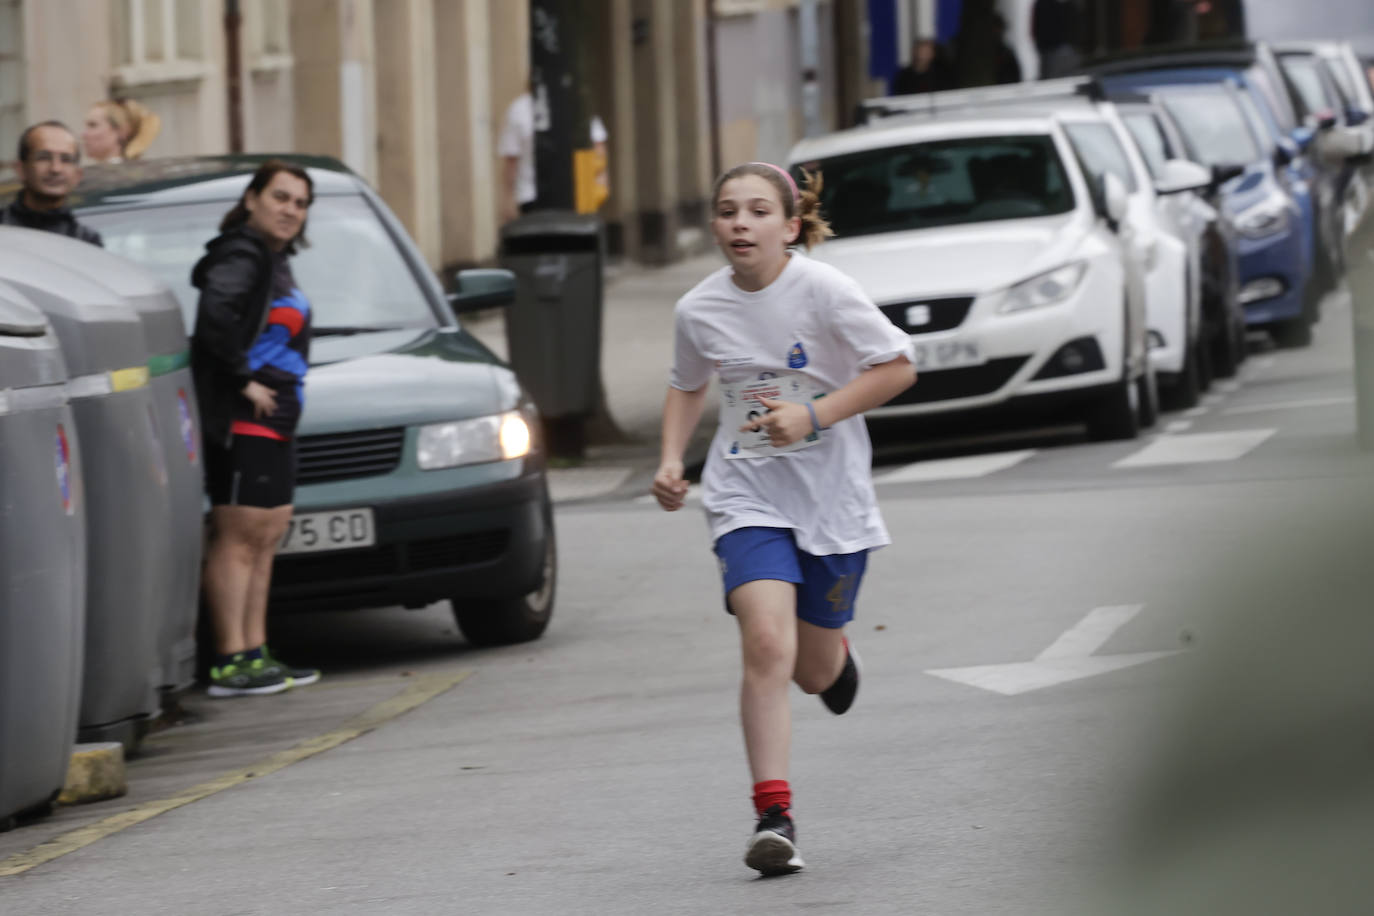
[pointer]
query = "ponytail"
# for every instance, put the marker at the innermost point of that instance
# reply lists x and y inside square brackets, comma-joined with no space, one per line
[146,125]
[814,228]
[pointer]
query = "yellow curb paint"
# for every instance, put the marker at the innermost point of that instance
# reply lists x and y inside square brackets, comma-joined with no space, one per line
[425,688]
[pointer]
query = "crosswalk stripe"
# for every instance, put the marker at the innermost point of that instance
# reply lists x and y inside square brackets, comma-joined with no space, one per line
[956,468]
[1291,405]
[1194,448]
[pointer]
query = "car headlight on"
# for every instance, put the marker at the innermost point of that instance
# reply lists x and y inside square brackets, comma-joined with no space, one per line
[1044,289]
[1263,219]
[494,438]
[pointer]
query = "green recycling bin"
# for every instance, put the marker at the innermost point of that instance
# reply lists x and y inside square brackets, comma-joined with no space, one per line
[42,561]
[126,487]
[178,422]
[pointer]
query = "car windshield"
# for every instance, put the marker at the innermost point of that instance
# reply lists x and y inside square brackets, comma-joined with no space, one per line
[1215,128]
[1303,72]
[352,272]
[943,183]
[1150,140]
[1101,153]
[1344,79]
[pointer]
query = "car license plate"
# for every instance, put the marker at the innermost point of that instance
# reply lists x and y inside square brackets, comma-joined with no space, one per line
[337,530]
[951,353]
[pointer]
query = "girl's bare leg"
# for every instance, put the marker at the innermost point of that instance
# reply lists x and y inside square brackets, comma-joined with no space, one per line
[820,656]
[268,534]
[766,611]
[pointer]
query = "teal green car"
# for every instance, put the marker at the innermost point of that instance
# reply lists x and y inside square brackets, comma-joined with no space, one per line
[421,475]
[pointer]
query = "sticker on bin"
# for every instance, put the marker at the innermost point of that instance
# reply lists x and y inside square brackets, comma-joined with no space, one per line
[64,471]
[337,530]
[188,426]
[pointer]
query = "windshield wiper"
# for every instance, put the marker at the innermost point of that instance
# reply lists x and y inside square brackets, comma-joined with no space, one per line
[344,330]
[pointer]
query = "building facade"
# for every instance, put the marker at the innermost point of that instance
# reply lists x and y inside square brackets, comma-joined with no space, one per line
[412,94]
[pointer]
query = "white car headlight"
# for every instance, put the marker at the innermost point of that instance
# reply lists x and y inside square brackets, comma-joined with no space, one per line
[1044,289]
[494,438]
[1264,219]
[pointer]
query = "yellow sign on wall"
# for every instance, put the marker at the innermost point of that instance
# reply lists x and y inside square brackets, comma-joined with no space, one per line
[589,180]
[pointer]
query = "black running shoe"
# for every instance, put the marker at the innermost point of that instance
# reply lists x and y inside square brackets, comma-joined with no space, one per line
[295,677]
[773,847]
[839,696]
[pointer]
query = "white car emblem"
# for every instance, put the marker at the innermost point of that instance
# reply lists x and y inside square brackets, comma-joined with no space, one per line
[917,316]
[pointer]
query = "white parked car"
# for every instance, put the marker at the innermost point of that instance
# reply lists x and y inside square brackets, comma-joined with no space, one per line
[987,240]
[1168,224]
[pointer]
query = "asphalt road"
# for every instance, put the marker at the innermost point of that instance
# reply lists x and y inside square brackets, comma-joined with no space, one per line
[1046,606]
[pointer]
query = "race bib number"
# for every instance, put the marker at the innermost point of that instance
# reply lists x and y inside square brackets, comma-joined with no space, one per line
[740,406]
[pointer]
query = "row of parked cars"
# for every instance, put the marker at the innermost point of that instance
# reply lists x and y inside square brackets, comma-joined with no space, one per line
[1103,244]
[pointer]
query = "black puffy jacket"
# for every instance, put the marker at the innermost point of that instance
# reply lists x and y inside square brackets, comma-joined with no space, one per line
[235,282]
[60,221]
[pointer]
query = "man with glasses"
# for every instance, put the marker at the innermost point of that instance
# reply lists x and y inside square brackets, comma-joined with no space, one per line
[49,167]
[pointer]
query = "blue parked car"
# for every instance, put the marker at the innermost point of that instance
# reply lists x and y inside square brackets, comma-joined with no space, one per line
[1273,194]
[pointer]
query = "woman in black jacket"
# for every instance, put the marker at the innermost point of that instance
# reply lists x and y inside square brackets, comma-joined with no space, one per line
[249,355]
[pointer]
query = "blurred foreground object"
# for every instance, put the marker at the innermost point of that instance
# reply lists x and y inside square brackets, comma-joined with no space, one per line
[1360,276]
[1259,794]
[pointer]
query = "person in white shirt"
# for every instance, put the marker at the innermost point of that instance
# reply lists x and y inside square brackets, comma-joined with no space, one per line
[519,186]
[788,494]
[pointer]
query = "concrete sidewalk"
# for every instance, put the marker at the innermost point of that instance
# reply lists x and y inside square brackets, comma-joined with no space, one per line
[636,353]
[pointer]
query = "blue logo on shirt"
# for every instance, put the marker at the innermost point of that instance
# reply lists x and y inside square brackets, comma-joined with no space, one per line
[796,357]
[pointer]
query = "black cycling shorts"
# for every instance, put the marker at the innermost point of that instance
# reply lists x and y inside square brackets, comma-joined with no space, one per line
[254,471]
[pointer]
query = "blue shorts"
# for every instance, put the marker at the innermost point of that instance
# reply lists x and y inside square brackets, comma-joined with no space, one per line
[826,586]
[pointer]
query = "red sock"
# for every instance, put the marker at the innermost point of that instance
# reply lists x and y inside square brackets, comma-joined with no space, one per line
[772,792]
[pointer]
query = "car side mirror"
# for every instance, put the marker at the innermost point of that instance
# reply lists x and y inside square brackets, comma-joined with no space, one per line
[481,288]
[1115,197]
[1180,175]
[1286,150]
[1224,172]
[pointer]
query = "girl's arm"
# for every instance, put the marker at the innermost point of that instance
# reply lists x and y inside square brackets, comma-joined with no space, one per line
[787,422]
[681,413]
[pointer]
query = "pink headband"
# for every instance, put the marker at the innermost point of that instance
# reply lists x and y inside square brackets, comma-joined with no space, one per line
[796,195]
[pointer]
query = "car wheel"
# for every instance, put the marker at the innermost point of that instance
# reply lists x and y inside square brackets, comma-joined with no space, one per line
[1186,388]
[1117,414]
[511,620]
[1225,352]
[1295,333]
[1147,395]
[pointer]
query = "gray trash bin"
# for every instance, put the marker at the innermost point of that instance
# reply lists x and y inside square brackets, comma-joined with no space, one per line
[42,561]
[554,327]
[178,422]
[125,480]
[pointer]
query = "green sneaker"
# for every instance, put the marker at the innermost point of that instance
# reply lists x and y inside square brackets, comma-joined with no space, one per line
[296,677]
[241,678]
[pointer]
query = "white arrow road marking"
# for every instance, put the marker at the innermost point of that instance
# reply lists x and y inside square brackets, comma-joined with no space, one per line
[956,468]
[1068,658]
[1191,448]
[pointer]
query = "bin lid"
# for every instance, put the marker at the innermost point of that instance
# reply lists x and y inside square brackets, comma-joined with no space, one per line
[97,332]
[139,287]
[19,318]
[551,222]
[29,352]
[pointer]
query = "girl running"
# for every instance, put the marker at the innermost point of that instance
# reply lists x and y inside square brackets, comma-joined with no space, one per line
[800,353]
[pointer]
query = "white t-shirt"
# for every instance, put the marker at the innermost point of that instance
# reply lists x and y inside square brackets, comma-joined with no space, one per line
[517,141]
[813,322]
